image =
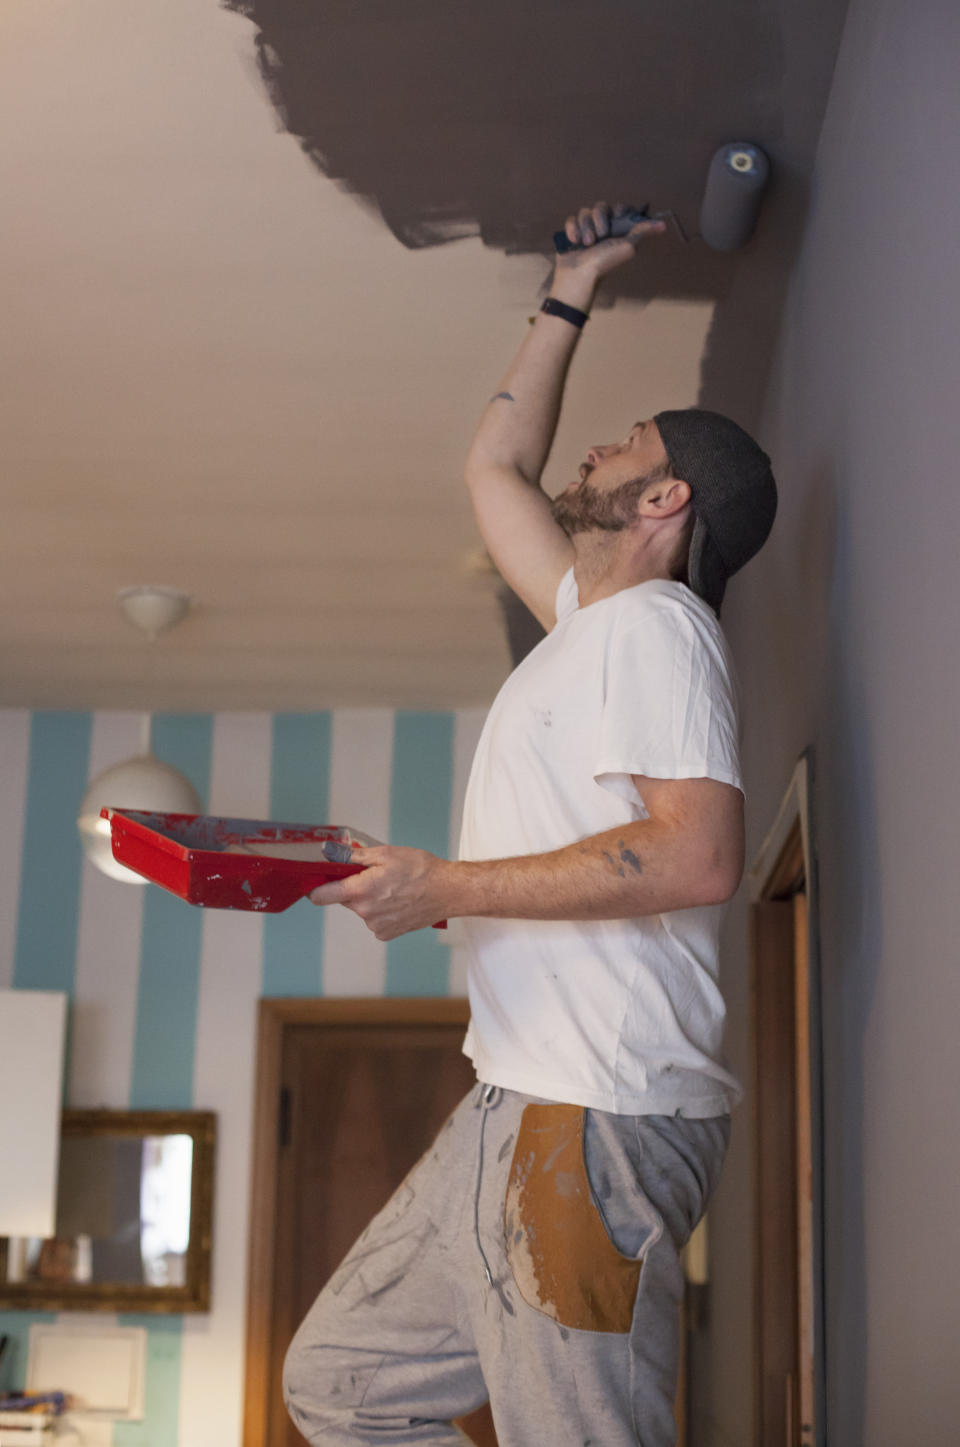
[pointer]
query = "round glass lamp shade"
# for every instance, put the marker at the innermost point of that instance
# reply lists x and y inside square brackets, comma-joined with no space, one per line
[144,782]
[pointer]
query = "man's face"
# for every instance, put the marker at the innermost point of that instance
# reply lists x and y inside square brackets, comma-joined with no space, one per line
[612,478]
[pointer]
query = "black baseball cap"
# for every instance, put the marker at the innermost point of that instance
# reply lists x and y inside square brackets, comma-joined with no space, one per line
[734,496]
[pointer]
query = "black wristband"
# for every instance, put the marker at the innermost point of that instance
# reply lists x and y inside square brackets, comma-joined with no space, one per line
[571,314]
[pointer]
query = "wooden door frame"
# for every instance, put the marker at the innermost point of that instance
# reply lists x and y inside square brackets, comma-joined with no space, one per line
[786,868]
[274,1017]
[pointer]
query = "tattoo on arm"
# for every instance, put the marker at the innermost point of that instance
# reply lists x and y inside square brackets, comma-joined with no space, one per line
[506,396]
[613,864]
[627,856]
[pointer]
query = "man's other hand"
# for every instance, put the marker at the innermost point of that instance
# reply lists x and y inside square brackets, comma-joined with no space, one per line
[399,890]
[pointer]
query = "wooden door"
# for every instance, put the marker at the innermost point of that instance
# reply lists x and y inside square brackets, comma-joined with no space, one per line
[786,1304]
[350,1094]
[806,1286]
[776,1287]
[362,1104]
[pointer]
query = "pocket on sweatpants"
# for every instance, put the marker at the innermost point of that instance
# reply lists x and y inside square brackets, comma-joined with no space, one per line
[562,1259]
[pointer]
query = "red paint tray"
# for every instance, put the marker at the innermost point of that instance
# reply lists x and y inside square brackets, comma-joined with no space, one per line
[249,864]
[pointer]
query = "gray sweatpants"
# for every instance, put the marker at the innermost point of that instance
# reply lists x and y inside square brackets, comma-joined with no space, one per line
[531,1257]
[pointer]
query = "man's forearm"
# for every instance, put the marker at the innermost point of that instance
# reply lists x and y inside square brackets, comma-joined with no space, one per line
[643,868]
[516,431]
[517,428]
[650,866]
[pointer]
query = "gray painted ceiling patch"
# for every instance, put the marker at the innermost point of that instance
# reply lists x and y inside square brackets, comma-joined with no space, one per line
[455,118]
[495,119]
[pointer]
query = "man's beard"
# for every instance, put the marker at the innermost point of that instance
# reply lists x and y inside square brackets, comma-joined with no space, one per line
[610,512]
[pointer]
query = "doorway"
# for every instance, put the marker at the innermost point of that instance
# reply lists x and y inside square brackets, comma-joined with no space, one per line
[349,1094]
[785,1048]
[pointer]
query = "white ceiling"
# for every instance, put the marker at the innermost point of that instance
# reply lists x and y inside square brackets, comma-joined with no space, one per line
[223,372]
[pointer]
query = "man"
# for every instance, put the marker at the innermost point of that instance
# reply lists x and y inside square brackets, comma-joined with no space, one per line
[533,1256]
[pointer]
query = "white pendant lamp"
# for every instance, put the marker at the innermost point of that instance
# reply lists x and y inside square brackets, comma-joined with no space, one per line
[143,782]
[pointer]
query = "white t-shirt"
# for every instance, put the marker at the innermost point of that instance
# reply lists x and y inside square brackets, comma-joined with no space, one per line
[619,1015]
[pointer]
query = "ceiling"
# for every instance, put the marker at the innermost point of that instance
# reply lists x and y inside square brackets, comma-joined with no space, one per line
[264,264]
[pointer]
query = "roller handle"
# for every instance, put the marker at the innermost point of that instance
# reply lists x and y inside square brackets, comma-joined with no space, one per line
[619,226]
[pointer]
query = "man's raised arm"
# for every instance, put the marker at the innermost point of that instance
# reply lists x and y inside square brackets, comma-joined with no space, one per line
[516,431]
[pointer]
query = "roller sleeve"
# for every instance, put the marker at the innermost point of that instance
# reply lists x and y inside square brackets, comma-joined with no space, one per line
[735,183]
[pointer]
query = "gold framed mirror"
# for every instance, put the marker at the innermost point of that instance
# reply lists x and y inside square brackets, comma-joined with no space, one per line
[134,1217]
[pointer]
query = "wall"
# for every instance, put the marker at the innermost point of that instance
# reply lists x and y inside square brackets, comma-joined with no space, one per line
[164,995]
[846,628]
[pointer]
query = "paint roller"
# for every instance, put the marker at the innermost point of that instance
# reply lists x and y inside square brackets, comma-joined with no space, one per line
[738,173]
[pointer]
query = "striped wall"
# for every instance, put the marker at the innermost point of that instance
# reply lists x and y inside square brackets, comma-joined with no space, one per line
[164,995]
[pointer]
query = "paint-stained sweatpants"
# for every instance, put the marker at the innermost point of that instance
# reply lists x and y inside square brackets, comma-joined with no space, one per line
[531,1257]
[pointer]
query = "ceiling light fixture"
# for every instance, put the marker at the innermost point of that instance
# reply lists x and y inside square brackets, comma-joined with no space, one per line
[143,782]
[152,609]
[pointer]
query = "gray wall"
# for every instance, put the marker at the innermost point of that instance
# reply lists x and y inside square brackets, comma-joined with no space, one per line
[846,629]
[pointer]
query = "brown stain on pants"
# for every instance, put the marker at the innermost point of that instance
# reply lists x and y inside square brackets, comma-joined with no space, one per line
[563,1262]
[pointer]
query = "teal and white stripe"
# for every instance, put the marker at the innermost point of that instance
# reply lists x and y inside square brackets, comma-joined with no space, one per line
[419,963]
[299,794]
[169,978]
[46,954]
[164,996]
[104,1010]
[354,960]
[14,772]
